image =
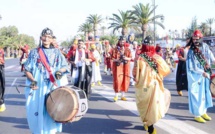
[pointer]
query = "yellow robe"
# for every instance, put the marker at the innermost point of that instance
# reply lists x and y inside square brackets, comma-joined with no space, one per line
[150,91]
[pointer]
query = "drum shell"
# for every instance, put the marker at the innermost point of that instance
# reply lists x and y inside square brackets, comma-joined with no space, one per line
[63,104]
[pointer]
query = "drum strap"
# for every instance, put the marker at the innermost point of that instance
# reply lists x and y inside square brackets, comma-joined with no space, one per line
[44,62]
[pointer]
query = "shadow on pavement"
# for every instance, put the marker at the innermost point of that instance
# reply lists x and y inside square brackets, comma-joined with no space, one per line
[15,120]
[180,117]
[90,126]
[179,106]
[15,103]
[18,96]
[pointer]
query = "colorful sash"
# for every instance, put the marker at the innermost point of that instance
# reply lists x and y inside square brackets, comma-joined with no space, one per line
[44,62]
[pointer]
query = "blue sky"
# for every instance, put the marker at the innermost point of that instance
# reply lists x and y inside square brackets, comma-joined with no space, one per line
[65,16]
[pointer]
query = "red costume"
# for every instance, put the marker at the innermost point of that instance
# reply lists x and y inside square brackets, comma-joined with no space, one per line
[120,73]
[158,50]
[24,56]
[2,57]
[107,55]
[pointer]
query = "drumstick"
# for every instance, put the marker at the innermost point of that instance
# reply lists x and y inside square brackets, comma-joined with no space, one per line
[21,86]
[211,81]
[18,90]
[30,87]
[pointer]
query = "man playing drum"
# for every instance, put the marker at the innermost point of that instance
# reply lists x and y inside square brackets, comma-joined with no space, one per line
[151,96]
[82,69]
[43,66]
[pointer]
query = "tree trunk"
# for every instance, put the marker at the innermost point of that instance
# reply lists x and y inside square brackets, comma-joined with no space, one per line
[86,36]
[124,32]
[210,30]
[144,28]
[8,52]
[95,30]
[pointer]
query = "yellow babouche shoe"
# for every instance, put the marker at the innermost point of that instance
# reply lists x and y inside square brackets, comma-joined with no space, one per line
[145,127]
[154,131]
[92,84]
[199,119]
[180,93]
[99,83]
[206,117]
[124,99]
[2,108]
[115,98]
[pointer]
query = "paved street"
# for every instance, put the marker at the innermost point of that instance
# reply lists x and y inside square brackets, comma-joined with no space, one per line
[104,116]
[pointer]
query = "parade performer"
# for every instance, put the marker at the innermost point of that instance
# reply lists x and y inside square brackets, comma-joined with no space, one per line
[149,70]
[133,49]
[71,58]
[198,75]
[82,75]
[158,50]
[96,75]
[169,58]
[99,46]
[121,57]
[45,68]
[23,58]
[107,58]
[2,81]
[181,73]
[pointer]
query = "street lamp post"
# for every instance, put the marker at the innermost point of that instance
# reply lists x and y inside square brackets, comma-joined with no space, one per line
[172,34]
[154,19]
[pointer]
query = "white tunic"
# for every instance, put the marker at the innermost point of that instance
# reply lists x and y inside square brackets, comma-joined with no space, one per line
[96,75]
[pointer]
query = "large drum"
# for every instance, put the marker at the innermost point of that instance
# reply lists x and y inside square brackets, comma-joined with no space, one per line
[67,104]
[212,85]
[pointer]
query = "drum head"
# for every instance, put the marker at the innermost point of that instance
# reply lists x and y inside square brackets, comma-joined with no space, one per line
[212,87]
[167,99]
[62,104]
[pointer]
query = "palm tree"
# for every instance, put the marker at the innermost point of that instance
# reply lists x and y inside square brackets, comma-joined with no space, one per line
[95,20]
[113,40]
[86,28]
[210,21]
[204,28]
[122,21]
[143,15]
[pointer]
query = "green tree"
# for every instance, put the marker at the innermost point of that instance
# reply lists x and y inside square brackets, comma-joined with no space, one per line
[143,15]
[210,21]
[95,20]
[86,28]
[66,43]
[113,40]
[204,28]
[11,40]
[122,21]
[192,27]
[10,31]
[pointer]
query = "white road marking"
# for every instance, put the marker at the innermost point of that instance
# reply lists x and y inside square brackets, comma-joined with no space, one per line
[173,127]
[8,91]
[9,67]
[12,66]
